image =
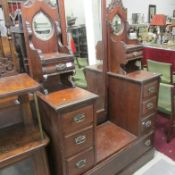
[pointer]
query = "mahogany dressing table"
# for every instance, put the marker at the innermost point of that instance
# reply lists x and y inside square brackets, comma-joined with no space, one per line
[124,142]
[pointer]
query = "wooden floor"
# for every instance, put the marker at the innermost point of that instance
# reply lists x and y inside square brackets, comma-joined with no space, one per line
[110,139]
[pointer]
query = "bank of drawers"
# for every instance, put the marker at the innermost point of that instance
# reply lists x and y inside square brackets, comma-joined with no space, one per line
[149,106]
[78,131]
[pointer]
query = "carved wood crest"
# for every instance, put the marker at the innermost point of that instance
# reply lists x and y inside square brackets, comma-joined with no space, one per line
[116,3]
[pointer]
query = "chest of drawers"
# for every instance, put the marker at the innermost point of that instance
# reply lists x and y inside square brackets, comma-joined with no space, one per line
[69,119]
[136,104]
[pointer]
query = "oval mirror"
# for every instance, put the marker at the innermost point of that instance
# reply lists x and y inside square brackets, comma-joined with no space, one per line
[42,26]
[117,25]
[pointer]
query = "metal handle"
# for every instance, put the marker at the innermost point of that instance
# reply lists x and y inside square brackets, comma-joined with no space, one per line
[60,67]
[151,90]
[147,124]
[148,142]
[80,164]
[80,139]
[79,118]
[149,105]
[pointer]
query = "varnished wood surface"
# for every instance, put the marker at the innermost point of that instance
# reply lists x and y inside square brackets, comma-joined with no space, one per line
[18,140]
[64,98]
[120,160]
[95,67]
[17,85]
[137,76]
[110,139]
[96,84]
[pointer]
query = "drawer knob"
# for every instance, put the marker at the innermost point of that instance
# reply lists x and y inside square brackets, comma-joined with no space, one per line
[79,118]
[149,105]
[151,90]
[80,139]
[148,142]
[147,124]
[80,164]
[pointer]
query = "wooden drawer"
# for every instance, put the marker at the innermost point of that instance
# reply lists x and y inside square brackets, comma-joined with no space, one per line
[149,106]
[77,119]
[147,124]
[150,89]
[80,163]
[80,141]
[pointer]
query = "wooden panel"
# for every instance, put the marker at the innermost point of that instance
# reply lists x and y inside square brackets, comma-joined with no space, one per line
[134,166]
[11,116]
[124,103]
[80,163]
[77,119]
[120,160]
[79,141]
[96,83]
[6,46]
[111,139]
[149,106]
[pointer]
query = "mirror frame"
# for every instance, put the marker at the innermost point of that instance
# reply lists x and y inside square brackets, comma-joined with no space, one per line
[41,36]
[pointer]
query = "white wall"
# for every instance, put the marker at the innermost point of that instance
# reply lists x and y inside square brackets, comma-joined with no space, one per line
[75,8]
[3,29]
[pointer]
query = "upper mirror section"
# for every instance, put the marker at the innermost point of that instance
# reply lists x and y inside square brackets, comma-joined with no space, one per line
[42,26]
[117,25]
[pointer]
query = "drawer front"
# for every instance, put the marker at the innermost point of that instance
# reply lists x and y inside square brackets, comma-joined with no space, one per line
[79,141]
[149,106]
[150,89]
[147,124]
[80,163]
[77,119]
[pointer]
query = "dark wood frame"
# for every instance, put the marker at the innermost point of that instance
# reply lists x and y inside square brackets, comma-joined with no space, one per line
[48,59]
[151,7]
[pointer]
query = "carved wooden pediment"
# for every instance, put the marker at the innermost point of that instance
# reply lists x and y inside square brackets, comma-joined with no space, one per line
[115,3]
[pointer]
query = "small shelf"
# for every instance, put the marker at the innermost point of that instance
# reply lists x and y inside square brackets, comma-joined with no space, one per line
[18,140]
[17,85]
[111,139]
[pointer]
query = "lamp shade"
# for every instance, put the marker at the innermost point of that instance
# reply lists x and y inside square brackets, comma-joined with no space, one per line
[158,20]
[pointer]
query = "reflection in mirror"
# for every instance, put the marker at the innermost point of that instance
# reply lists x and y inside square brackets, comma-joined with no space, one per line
[42,26]
[53,2]
[117,25]
[77,38]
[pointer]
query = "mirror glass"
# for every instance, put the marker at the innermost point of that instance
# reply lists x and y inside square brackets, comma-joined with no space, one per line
[117,25]
[53,2]
[42,26]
